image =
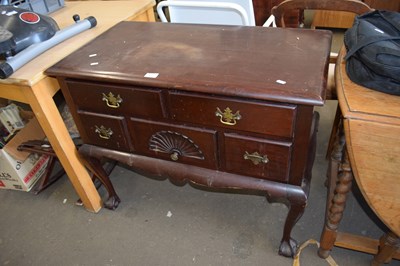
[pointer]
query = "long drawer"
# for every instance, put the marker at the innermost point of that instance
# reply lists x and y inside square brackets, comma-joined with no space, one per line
[251,116]
[117,100]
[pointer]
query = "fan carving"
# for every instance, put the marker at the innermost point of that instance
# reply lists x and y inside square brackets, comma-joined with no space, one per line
[175,144]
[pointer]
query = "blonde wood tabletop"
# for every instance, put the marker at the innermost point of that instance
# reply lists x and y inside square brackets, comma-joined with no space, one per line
[372,130]
[30,85]
[107,14]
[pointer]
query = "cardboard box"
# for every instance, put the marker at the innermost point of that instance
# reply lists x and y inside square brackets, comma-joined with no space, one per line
[21,170]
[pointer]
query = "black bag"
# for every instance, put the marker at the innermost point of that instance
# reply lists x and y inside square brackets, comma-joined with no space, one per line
[373,51]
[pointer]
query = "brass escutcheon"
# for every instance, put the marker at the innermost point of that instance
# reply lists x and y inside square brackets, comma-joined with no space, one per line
[174,156]
[103,132]
[227,117]
[256,158]
[111,100]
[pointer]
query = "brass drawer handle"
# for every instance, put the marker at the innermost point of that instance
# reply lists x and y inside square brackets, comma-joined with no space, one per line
[256,158]
[103,132]
[227,117]
[111,100]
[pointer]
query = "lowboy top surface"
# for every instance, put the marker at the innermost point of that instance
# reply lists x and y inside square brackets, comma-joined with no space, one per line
[288,65]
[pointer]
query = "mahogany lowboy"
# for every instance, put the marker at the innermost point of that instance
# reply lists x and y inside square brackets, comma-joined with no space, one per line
[220,106]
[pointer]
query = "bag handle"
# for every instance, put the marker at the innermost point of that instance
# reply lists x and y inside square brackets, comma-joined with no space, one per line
[389,19]
[367,42]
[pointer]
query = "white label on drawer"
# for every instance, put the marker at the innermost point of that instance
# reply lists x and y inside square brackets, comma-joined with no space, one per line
[151,75]
[281,82]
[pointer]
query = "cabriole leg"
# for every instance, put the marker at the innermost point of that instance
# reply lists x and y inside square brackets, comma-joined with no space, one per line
[288,246]
[95,166]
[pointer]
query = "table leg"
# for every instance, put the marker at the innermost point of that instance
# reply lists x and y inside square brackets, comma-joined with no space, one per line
[339,185]
[288,246]
[40,98]
[297,202]
[146,16]
[388,245]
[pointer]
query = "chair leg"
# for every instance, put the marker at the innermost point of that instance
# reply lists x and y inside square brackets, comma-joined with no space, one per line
[48,177]
[43,148]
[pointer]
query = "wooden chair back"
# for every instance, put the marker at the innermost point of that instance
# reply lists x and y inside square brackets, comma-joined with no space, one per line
[353,6]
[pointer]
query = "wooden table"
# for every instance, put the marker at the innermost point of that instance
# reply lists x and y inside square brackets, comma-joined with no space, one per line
[30,85]
[210,109]
[370,145]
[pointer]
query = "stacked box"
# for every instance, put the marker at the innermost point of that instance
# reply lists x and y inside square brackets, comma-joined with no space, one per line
[21,170]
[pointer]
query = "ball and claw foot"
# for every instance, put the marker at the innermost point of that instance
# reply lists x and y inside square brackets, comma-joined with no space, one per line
[288,248]
[112,202]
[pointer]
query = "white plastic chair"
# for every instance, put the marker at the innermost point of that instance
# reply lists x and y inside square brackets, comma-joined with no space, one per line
[220,12]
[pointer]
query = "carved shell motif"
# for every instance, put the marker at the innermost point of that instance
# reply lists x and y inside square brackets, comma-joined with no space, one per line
[175,144]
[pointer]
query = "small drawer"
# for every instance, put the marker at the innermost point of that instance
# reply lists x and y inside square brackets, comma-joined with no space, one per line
[116,100]
[103,130]
[174,143]
[251,116]
[257,157]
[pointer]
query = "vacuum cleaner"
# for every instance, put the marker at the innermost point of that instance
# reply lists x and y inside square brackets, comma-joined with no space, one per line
[25,34]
